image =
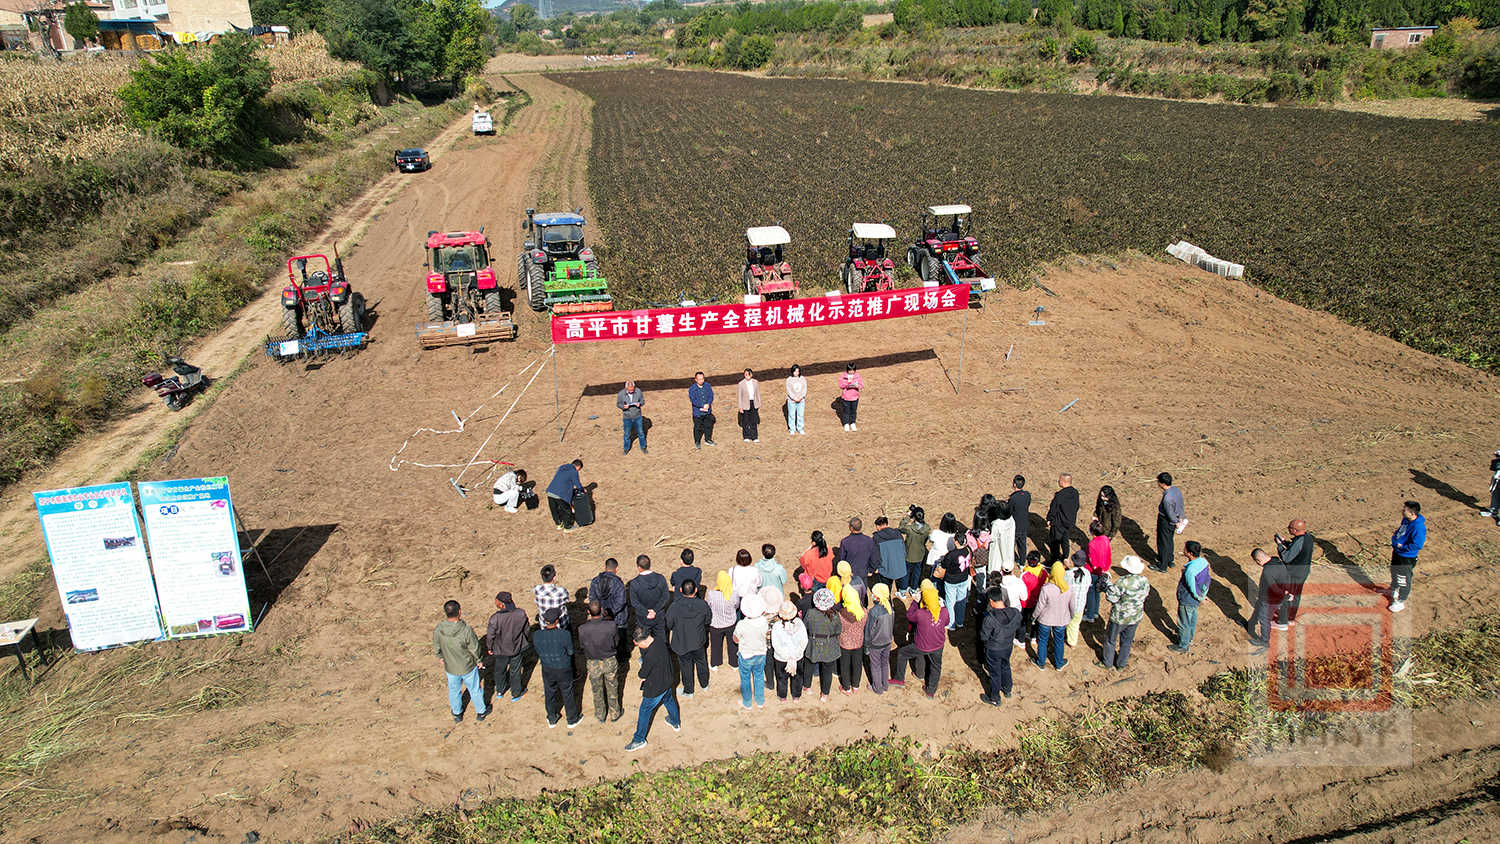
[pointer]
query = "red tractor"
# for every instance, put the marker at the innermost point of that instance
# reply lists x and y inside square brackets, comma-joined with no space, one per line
[463,292]
[945,240]
[867,269]
[767,274]
[320,312]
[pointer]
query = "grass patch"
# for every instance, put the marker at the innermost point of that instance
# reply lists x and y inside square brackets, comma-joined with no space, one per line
[910,793]
[21,593]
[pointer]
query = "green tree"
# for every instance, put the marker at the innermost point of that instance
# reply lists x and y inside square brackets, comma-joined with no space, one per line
[211,106]
[80,22]
[1117,23]
[524,17]
[300,15]
[848,19]
[1082,48]
[1018,11]
[1268,18]
[756,51]
[469,40]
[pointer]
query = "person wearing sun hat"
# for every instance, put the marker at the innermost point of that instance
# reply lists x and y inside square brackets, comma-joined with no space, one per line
[788,644]
[823,629]
[771,599]
[929,620]
[751,635]
[879,633]
[1128,595]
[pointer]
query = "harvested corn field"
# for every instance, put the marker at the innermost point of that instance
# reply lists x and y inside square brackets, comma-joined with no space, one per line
[1389,224]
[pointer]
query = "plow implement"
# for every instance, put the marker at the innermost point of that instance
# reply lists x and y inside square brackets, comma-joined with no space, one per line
[969,273]
[573,287]
[486,328]
[316,343]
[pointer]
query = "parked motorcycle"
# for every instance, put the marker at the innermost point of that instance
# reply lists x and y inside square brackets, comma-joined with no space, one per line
[177,389]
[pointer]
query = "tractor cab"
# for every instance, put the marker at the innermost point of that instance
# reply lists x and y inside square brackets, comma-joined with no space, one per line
[867,269]
[320,312]
[945,226]
[767,273]
[558,236]
[458,264]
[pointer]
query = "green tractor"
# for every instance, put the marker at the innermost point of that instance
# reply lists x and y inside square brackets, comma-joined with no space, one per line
[558,270]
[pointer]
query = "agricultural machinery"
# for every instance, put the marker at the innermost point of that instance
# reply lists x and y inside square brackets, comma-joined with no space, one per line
[946,253]
[320,312]
[178,388]
[560,273]
[463,294]
[767,274]
[868,269]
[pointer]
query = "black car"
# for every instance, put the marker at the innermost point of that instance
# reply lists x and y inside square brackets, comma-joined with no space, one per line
[412,160]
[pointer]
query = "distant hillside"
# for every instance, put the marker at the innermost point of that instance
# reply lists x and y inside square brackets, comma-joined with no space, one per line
[551,8]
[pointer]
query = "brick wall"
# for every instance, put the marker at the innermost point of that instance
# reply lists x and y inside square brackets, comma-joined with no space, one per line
[205,15]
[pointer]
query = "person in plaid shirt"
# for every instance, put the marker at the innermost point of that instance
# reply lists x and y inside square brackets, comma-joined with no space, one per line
[1128,594]
[549,594]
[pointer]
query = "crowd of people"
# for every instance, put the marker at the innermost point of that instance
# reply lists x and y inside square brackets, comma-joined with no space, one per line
[866,610]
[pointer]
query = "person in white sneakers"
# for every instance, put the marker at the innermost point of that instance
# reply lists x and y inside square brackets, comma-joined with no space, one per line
[1494,511]
[850,385]
[1406,542]
[508,489]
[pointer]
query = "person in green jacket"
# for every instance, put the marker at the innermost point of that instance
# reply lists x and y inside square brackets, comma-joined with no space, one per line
[914,530]
[454,642]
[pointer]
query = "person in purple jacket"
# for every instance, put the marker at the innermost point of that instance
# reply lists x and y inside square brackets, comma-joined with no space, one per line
[858,550]
[929,622]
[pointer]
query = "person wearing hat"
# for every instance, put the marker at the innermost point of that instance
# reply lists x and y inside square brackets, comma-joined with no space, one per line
[851,663]
[771,598]
[554,650]
[454,642]
[823,629]
[751,635]
[880,632]
[788,644]
[657,684]
[929,622]
[1128,595]
[505,641]
[1053,613]
[1494,511]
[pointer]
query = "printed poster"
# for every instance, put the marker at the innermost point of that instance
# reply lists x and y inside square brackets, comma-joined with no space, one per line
[195,552]
[99,562]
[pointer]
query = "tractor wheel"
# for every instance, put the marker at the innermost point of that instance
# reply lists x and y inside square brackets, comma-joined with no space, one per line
[291,324]
[536,289]
[911,258]
[931,269]
[351,315]
[175,402]
[492,302]
[520,270]
[591,268]
[434,308]
[849,279]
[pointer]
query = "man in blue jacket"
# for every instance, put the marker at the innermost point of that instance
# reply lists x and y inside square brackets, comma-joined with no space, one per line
[1191,590]
[701,396]
[560,493]
[1406,543]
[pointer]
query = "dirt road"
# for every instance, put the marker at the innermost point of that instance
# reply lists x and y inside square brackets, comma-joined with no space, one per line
[1263,410]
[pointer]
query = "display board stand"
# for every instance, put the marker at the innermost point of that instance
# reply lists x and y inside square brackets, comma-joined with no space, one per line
[239,527]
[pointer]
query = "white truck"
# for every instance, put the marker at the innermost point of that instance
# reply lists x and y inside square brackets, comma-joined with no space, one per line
[483,123]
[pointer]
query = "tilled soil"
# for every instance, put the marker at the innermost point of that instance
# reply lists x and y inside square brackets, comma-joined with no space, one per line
[1263,410]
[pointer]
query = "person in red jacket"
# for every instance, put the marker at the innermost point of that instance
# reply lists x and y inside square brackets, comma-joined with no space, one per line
[1033,576]
[850,385]
[1101,556]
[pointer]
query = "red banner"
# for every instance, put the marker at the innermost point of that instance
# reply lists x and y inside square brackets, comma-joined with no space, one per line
[701,321]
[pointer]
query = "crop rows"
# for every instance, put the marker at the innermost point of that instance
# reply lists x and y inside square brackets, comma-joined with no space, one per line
[1390,224]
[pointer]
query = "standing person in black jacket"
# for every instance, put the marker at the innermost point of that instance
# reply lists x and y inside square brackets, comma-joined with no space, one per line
[648,590]
[687,622]
[1020,511]
[997,637]
[598,638]
[609,590]
[1297,554]
[1062,518]
[656,680]
[505,645]
[554,650]
[685,572]
[1269,596]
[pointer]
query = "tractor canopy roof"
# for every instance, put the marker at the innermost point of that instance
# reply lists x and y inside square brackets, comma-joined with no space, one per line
[946,210]
[439,239]
[559,218]
[873,231]
[767,236]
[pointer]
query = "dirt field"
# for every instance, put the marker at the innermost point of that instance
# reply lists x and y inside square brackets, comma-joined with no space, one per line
[1263,410]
